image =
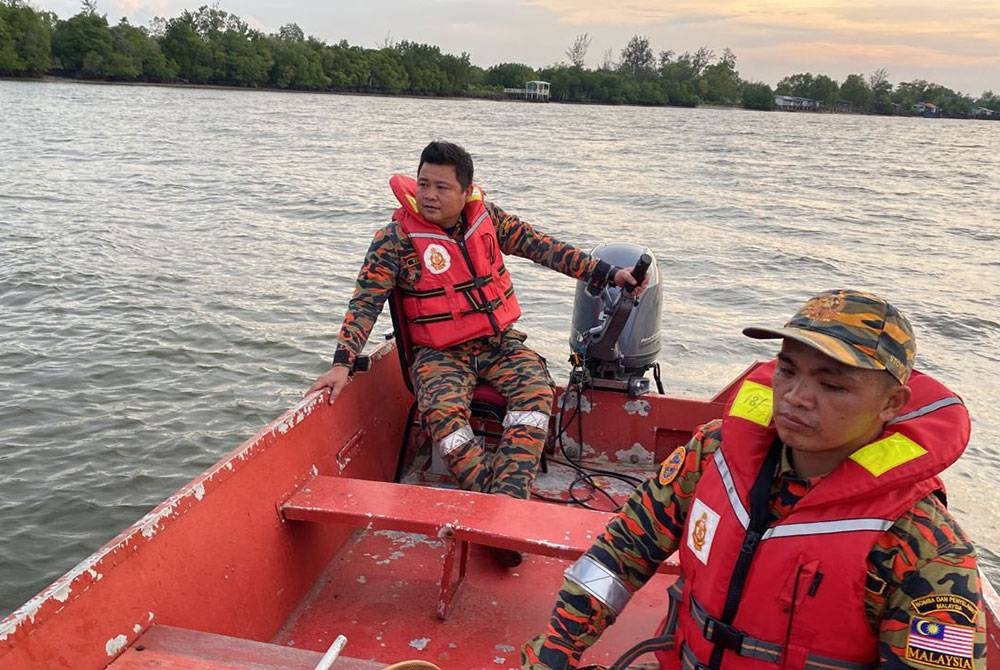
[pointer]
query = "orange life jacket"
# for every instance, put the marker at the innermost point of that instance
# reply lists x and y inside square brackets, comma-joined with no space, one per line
[802,601]
[464,290]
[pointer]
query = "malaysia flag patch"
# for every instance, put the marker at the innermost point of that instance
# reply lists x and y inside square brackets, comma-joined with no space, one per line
[940,644]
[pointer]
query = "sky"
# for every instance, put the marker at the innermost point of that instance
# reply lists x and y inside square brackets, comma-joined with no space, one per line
[953,44]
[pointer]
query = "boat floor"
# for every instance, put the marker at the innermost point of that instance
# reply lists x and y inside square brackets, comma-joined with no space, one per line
[381,589]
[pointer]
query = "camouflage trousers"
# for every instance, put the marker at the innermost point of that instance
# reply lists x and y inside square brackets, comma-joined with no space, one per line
[444,381]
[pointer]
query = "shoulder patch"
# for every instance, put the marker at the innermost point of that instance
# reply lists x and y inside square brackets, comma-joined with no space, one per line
[946,602]
[671,466]
[940,645]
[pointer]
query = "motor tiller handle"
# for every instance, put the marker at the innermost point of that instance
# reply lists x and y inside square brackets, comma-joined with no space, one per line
[639,272]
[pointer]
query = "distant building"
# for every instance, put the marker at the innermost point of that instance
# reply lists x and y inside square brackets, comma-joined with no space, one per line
[927,109]
[985,113]
[535,91]
[796,103]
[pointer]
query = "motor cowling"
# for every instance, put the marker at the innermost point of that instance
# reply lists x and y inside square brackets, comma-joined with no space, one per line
[615,337]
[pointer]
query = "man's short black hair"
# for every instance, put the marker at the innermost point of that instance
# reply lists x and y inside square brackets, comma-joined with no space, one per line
[446,153]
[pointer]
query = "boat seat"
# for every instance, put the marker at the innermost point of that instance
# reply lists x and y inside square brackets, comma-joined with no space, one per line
[456,517]
[169,648]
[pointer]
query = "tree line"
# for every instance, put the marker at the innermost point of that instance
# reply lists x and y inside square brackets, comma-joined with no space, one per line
[212,46]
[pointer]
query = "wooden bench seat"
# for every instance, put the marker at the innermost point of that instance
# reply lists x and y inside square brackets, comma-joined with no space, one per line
[169,648]
[456,517]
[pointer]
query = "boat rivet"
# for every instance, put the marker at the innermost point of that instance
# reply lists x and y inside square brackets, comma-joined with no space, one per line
[140,647]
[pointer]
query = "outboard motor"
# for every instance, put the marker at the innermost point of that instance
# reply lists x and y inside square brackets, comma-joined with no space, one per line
[615,337]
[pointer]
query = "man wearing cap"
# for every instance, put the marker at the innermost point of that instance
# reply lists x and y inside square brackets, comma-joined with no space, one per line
[809,521]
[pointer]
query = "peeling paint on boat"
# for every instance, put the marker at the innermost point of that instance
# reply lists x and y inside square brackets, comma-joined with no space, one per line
[408,540]
[115,645]
[199,491]
[637,406]
[420,643]
[636,454]
[499,660]
[296,414]
[504,648]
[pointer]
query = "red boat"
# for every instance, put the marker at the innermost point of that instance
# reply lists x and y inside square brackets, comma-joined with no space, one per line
[328,540]
[301,535]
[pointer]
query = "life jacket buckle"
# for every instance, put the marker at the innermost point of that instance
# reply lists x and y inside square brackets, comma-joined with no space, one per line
[723,634]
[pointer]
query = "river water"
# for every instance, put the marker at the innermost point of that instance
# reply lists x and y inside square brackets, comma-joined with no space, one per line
[174,264]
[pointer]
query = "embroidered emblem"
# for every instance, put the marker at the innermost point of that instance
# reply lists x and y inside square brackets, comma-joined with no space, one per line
[436,259]
[702,524]
[939,644]
[700,531]
[671,466]
[823,308]
[946,602]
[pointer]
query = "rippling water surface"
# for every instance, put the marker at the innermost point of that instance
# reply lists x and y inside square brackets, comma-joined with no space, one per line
[174,264]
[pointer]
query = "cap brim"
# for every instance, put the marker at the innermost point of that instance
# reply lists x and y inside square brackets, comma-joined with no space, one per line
[835,348]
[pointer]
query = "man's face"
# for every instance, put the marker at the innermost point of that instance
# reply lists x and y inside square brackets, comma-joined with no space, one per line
[824,410]
[439,195]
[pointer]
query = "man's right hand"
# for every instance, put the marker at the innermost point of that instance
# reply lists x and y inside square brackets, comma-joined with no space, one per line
[335,379]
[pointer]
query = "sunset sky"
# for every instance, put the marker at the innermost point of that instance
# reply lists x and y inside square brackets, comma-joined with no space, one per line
[954,44]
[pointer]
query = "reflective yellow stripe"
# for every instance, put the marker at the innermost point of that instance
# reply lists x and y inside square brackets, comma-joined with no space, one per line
[883,455]
[754,402]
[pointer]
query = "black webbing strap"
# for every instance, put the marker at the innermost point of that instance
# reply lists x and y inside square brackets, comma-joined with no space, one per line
[724,636]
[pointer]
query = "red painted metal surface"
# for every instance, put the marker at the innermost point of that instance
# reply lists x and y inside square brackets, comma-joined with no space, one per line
[216,556]
[541,528]
[456,517]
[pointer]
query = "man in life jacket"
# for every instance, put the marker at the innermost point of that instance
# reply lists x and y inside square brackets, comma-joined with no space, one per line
[809,521]
[443,250]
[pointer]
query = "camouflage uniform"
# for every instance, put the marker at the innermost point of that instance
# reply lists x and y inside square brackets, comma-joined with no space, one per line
[922,560]
[444,379]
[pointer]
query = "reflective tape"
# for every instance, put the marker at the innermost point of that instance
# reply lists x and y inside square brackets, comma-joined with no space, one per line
[475,224]
[927,409]
[827,527]
[431,236]
[598,581]
[534,419]
[450,443]
[734,497]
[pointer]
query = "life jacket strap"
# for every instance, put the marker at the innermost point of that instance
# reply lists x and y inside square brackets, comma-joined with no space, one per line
[737,641]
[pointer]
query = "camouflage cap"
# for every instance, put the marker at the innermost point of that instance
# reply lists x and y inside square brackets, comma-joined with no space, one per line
[856,328]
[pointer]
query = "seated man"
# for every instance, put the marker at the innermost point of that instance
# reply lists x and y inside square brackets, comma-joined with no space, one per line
[810,520]
[444,251]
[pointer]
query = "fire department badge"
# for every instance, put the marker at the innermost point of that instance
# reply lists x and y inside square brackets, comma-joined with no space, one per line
[436,259]
[671,466]
[702,524]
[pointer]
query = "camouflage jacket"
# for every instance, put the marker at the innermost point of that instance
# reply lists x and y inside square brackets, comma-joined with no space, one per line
[392,261]
[920,567]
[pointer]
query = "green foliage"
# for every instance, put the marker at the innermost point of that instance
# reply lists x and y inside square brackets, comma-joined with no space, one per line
[757,95]
[189,54]
[856,92]
[799,85]
[825,89]
[720,82]
[25,40]
[298,64]
[81,44]
[212,46]
[386,73]
[510,75]
[637,57]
